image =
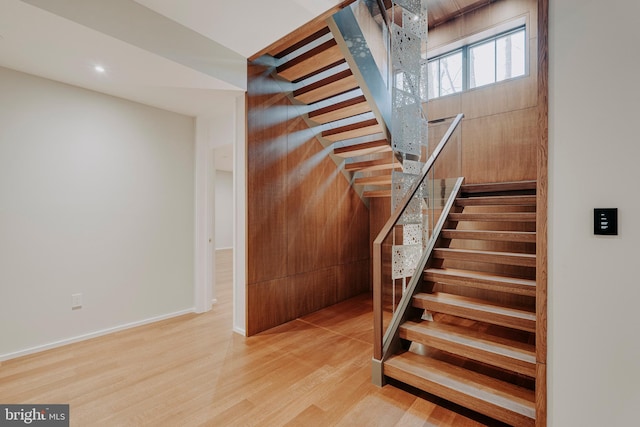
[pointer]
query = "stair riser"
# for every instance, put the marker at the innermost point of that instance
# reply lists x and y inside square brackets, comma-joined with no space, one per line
[486,258]
[343,113]
[377,193]
[499,187]
[381,146]
[455,396]
[355,133]
[505,201]
[494,237]
[501,361]
[326,90]
[481,316]
[312,61]
[489,286]
[493,217]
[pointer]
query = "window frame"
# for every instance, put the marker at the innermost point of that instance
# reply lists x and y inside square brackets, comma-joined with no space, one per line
[465,49]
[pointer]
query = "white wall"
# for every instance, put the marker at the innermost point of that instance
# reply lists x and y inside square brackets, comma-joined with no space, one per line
[224,210]
[594,149]
[96,197]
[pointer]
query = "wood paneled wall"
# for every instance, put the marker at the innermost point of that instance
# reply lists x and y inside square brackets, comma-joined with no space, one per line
[308,230]
[501,120]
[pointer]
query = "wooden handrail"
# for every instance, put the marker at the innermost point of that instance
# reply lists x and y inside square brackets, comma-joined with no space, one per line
[386,229]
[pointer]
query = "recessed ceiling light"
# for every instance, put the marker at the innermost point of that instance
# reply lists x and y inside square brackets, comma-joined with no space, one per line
[99,69]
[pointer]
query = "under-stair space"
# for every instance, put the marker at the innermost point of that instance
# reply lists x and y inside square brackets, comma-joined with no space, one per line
[469,335]
[337,108]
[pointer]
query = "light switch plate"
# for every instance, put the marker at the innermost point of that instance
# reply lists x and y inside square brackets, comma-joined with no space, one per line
[605,221]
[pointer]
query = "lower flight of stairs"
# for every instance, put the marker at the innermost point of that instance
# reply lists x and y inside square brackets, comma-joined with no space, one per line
[336,107]
[477,346]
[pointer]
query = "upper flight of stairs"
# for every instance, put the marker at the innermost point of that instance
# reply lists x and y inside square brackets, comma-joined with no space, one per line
[315,65]
[476,344]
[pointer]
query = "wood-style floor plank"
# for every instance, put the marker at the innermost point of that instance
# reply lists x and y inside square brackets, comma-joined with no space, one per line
[194,371]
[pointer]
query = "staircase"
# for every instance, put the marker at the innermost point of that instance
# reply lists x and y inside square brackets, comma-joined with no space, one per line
[469,336]
[336,106]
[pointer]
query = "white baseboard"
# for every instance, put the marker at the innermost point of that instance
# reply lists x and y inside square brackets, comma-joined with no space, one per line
[90,335]
[240,331]
[224,249]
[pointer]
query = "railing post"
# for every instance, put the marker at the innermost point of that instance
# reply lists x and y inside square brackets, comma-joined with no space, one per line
[377,376]
[377,301]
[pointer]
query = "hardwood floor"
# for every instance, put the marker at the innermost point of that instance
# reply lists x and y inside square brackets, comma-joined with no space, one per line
[192,371]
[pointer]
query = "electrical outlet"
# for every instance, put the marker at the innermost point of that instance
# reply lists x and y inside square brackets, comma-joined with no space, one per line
[76,301]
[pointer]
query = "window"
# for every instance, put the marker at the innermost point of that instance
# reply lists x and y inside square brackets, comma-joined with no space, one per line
[490,61]
[445,75]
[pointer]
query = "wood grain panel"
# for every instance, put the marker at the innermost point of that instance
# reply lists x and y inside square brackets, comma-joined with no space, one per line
[266,186]
[511,95]
[357,274]
[490,145]
[379,213]
[313,290]
[446,106]
[352,219]
[542,209]
[307,227]
[268,305]
[312,203]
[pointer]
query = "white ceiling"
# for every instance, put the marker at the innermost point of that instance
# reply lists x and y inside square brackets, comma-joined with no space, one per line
[155,60]
[245,26]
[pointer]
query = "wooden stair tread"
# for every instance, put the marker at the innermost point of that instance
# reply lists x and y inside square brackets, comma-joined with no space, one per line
[353,130]
[476,309]
[508,258]
[355,150]
[503,236]
[340,110]
[341,82]
[481,280]
[498,399]
[494,217]
[373,180]
[501,352]
[307,35]
[498,187]
[383,163]
[377,193]
[312,61]
[497,200]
